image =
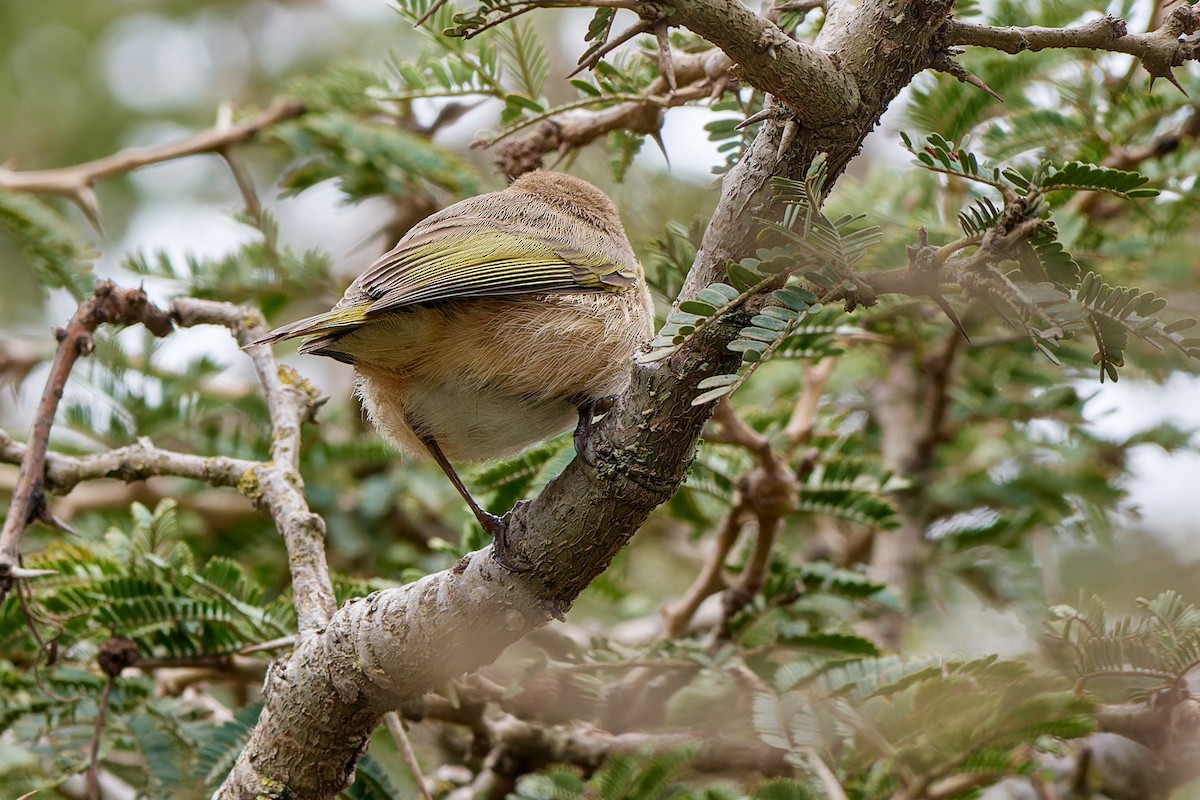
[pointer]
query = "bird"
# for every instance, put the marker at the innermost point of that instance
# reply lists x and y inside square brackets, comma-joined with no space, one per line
[498,322]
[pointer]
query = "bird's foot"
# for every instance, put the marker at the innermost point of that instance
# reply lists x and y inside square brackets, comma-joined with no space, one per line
[588,409]
[502,549]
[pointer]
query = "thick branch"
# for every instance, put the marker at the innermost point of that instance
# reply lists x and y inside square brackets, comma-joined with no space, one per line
[807,80]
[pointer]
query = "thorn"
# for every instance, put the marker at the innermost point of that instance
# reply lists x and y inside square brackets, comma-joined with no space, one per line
[46,516]
[656,135]
[86,198]
[666,65]
[978,83]
[26,574]
[753,118]
[787,137]
[948,310]
[433,9]
[946,63]
[1170,76]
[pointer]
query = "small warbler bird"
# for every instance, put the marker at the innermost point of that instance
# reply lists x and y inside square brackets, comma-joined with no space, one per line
[495,323]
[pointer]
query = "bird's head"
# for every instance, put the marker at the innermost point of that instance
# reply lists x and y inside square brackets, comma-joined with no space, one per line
[573,195]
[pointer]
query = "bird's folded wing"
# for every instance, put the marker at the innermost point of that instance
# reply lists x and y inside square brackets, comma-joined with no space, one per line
[477,257]
[459,258]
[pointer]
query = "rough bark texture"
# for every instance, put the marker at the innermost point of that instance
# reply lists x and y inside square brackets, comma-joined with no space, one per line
[323,700]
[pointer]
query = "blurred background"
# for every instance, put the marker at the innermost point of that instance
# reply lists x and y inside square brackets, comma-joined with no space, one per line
[81,79]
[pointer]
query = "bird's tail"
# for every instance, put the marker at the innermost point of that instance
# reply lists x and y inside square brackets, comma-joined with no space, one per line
[321,329]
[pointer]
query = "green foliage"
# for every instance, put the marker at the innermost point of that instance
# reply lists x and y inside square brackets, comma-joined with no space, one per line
[1157,649]
[672,257]
[623,777]
[833,484]
[146,587]
[821,250]
[1001,473]
[849,488]
[524,57]
[880,719]
[133,391]
[514,478]
[54,248]
[476,57]
[367,158]
[262,270]
[222,743]
[1052,302]
[732,133]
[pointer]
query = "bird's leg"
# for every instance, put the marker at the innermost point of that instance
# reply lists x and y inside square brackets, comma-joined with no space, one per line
[588,409]
[496,527]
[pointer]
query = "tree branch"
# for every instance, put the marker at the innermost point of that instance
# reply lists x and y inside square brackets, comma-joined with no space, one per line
[107,305]
[134,462]
[809,82]
[697,75]
[709,581]
[1159,51]
[75,180]
[277,484]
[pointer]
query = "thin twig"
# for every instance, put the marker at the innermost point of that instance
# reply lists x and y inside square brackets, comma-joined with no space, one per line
[800,425]
[829,782]
[71,181]
[755,572]
[677,615]
[591,60]
[277,484]
[107,305]
[697,75]
[1159,50]
[400,736]
[93,771]
[736,431]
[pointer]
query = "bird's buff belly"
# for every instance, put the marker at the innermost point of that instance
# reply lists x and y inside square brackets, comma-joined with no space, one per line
[487,378]
[468,425]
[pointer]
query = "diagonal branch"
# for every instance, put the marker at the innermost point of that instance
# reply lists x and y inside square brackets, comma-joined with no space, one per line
[807,80]
[697,76]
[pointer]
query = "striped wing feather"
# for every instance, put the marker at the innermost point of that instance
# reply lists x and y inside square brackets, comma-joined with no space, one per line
[465,256]
[476,257]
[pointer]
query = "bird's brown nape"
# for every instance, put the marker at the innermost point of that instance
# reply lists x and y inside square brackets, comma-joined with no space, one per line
[574,195]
